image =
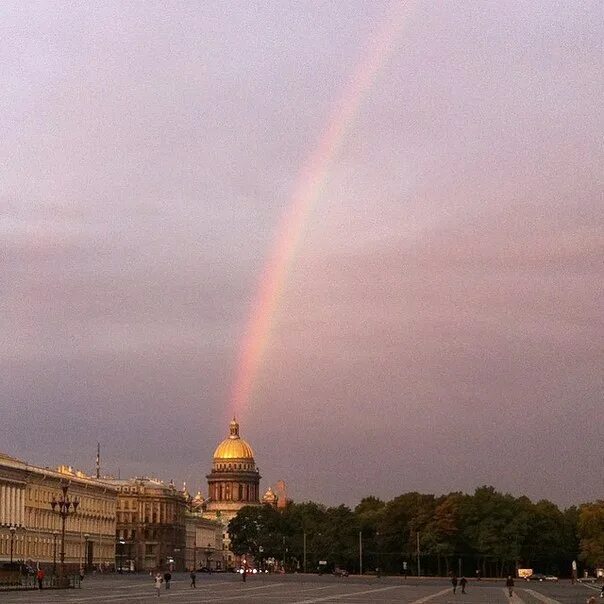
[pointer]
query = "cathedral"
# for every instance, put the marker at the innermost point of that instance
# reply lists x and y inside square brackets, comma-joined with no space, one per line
[234,481]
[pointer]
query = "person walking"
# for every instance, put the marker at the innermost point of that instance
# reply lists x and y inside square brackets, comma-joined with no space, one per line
[40,577]
[463,582]
[454,583]
[509,583]
[193,577]
[157,583]
[167,578]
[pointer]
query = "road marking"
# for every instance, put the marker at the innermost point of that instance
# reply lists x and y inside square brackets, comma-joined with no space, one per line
[148,591]
[590,587]
[541,597]
[515,599]
[431,596]
[351,595]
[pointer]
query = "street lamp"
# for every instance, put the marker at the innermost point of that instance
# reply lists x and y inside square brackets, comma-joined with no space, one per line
[54,553]
[86,538]
[13,530]
[378,542]
[64,506]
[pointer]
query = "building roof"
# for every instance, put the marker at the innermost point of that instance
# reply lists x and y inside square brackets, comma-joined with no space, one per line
[233,447]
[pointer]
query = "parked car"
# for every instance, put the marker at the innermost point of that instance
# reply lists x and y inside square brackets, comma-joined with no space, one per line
[541,577]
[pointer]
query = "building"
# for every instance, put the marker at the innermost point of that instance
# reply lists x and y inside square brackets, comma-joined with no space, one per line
[233,483]
[203,547]
[32,530]
[150,529]
[234,480]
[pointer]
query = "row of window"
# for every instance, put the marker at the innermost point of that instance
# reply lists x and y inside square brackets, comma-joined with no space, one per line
[36,494]
[49,520]
[235,466]
[28,547]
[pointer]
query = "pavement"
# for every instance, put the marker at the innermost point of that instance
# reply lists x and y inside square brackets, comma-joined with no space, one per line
[302,589]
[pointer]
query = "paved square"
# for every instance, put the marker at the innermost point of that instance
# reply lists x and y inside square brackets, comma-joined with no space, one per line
[302,589]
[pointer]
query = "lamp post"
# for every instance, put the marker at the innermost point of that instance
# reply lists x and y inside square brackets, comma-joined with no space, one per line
[194,554]
[86,538]
[54,553]
[378,542]
[64,506]
[360,552]
[13,530]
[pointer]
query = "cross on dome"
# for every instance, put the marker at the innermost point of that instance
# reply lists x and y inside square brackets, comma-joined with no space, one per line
[234,428]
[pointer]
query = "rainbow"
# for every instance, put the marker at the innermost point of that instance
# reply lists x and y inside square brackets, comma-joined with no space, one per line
[306,193]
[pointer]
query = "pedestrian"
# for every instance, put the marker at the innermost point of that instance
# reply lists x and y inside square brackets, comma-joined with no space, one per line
[40,577]
[157,583]
[454,583]
[167,578]
[509,583]
[463,582]
[591,600]
[193,577]
[478,574]
[602,592]
[82,573]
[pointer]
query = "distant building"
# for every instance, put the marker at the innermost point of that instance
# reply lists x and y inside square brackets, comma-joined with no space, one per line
[203,545]
[25,495]
[150,530]
[159,527]
[277,495]
[234,481]
[270,498]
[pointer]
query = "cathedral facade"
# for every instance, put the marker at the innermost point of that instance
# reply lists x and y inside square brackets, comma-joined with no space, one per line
[234,480]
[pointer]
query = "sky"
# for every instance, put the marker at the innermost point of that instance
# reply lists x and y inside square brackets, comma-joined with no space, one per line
[436,326]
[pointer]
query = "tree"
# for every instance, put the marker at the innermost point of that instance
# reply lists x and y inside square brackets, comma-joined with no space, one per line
[257,527]
[591,533]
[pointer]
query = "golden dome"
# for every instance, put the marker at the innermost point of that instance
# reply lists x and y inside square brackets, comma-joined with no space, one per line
[233,447]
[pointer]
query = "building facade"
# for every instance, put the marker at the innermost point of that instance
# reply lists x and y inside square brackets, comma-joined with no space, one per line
[203,542]
[233,483]
[30,531]
[150,529]
[234,480]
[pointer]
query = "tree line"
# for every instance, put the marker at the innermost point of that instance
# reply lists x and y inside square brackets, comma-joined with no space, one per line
[487,532]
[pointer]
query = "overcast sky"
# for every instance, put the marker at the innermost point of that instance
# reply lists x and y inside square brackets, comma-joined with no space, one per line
[440,324]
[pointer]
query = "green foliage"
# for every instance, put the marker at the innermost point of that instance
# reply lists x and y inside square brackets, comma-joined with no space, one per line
[591,533]
[488,530]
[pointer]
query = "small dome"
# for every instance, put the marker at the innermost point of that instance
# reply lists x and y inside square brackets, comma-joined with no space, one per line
[269,496]
[233,447]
